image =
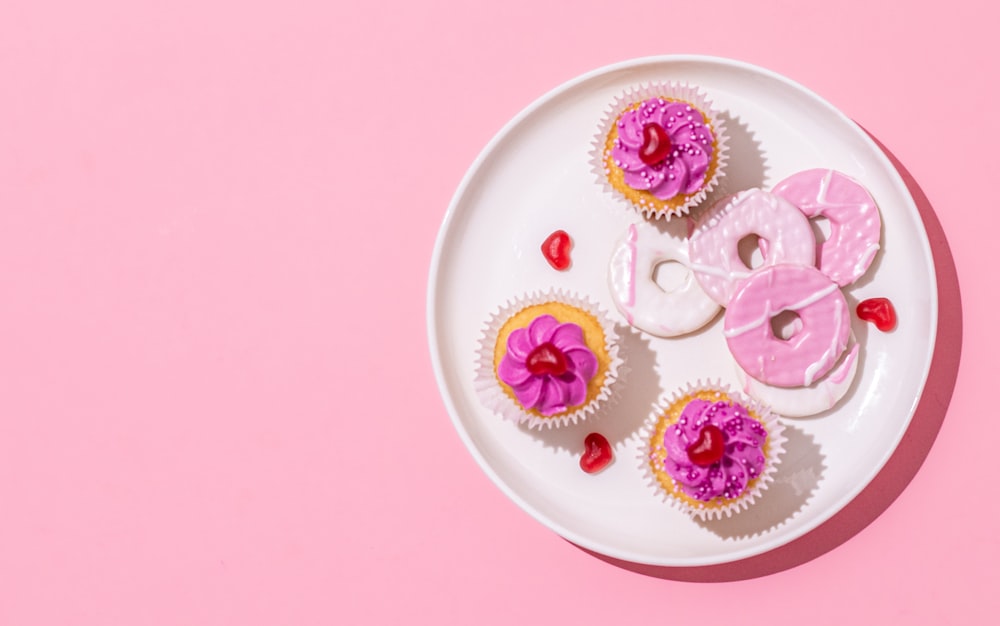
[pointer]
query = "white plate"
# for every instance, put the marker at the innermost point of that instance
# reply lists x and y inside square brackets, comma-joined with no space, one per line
[534,178]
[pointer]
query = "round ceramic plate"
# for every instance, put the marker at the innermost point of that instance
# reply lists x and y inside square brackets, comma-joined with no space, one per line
[534,178]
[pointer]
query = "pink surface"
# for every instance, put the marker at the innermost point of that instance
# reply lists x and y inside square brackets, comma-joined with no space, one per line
[208,210]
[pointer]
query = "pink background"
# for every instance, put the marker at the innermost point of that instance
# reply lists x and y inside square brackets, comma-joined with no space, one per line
[216,396]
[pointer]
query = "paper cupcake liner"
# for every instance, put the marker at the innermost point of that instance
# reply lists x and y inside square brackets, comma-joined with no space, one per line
[715,510]
[673,91]
[493,395]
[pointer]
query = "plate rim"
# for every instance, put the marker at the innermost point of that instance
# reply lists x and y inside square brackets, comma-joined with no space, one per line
[435,270]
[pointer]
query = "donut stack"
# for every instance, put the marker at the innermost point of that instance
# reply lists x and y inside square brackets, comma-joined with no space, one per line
[808,365]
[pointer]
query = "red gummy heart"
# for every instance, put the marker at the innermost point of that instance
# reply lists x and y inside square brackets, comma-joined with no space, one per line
[556,248]
[547,359]
[709,447]
[879,311]
[655,144]
[597,453]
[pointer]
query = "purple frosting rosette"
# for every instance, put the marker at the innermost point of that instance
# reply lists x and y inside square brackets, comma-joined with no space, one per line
[544,377]
[565,365]
[722,478]
[680,178]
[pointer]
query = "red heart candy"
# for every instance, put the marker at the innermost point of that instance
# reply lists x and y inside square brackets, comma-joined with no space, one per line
[556,248]
[546,358]
[879,311]
[597,453]
[709,447]
[655,144]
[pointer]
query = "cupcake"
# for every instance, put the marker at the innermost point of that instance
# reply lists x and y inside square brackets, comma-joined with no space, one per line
[661,148]
[711,452]
[547,359]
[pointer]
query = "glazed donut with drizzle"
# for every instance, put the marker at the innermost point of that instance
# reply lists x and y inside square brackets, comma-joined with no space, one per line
[818,342]
[645,305]
[855,224]
[714,243]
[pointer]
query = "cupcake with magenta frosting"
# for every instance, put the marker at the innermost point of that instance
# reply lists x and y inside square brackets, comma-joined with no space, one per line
[661,148]
[547,359]
[711,452]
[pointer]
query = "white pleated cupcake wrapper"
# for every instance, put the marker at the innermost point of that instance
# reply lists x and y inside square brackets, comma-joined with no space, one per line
[776,448]
[674,91]
[488,386]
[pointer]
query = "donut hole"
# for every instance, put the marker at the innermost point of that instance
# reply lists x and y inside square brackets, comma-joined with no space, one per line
[786,325]
[751,251]
[670,276]
[821,228]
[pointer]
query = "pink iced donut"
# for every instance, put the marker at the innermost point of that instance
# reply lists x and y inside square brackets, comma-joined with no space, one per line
[714,245]
[855,225]
[816,345]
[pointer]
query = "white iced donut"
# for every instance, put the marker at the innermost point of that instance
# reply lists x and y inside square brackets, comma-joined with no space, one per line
[820,396]
[714,244]
[641,300]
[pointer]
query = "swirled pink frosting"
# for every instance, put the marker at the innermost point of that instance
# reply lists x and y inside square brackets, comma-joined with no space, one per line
[742,461]
[684,169]
[549,394]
